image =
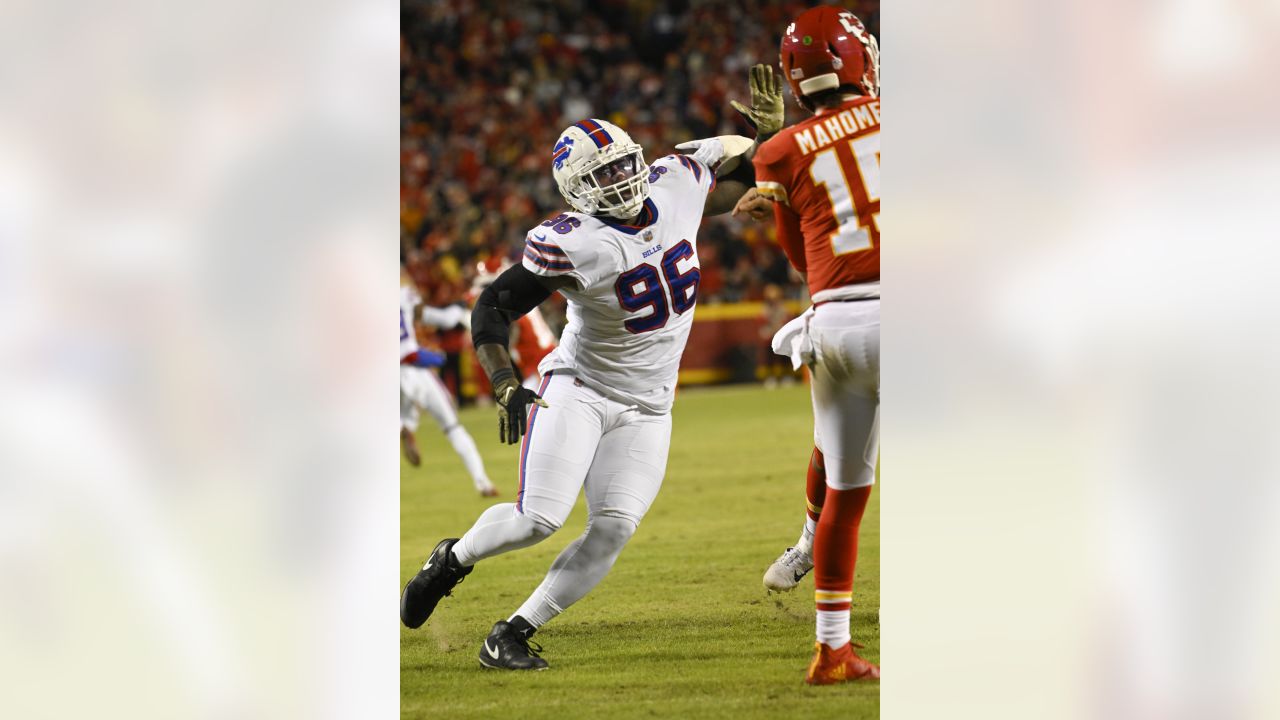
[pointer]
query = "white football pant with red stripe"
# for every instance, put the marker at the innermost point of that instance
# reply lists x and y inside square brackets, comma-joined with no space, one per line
[583,438]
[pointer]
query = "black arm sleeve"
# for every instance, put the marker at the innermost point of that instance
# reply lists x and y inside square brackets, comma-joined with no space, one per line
[511,296]
[745,173]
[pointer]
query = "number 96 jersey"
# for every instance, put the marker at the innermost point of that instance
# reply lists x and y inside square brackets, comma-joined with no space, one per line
[630,314]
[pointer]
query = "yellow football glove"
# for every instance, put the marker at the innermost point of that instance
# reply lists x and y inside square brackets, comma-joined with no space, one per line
[766,113]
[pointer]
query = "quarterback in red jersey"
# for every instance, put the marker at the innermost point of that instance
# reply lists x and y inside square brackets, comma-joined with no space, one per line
[822,178]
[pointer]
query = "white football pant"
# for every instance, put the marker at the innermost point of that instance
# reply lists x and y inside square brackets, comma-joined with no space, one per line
[583,439]
[846,390]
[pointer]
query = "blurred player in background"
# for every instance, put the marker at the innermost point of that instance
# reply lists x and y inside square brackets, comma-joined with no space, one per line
[531,336]
[822,178]
[626,259]
[774,315]
[420,389]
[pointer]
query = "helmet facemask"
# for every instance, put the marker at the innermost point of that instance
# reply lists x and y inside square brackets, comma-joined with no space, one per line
[871,78]
[615,182]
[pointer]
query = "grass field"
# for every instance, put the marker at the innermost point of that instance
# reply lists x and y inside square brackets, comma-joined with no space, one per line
[681,627]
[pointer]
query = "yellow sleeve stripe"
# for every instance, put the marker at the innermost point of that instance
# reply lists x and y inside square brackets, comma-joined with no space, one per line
[816,509]
[773,191]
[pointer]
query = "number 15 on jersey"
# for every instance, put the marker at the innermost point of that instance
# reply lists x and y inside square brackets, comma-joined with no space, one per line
[855,201]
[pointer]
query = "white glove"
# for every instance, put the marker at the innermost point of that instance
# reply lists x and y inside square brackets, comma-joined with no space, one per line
[708,151]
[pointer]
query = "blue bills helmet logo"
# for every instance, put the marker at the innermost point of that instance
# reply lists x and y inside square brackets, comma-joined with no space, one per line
[561,151]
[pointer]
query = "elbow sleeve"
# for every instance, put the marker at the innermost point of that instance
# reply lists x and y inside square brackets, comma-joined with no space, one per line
[512,295]
[745,173]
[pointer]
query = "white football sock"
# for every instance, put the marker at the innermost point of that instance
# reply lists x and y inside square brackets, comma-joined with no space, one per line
[466,449]
[805,543]
[833,628]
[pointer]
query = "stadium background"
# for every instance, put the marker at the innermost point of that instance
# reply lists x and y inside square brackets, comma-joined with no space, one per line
[486,87]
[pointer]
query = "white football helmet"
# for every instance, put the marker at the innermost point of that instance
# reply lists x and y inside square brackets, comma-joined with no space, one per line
[599,169]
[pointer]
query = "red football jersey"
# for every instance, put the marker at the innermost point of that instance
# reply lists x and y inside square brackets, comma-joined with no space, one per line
[824,177]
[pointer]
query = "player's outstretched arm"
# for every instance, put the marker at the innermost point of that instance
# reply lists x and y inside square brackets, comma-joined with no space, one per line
[731,187]
[729,156]
[512,295]
[444,318]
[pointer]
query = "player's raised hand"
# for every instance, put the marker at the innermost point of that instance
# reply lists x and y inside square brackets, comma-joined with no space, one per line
[766,113]
[513,401]
[754,204]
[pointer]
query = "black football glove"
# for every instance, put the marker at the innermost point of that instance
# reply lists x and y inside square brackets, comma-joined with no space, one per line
[513,407]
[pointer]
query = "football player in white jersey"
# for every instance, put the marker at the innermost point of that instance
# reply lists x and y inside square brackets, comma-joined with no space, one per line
[626,259]
[421,389]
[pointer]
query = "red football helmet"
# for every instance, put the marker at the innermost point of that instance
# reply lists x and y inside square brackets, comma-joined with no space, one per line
[827,48]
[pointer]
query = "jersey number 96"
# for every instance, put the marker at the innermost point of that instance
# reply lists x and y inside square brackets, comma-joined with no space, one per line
[641,287]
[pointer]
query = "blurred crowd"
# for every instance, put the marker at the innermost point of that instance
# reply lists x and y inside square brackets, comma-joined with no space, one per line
[486,86]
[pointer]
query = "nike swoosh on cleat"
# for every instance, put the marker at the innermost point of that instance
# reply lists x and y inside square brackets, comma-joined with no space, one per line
[492,653]
[428,565]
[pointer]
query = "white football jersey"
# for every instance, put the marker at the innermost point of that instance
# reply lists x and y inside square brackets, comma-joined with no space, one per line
[409,298]
[630,316]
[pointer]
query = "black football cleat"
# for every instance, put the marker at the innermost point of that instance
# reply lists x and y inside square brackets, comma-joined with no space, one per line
[507,648]
[437,578]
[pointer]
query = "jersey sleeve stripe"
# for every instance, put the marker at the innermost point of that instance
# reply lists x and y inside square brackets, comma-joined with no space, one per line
[545,263]
[546,248]
[696,167]
[773,191]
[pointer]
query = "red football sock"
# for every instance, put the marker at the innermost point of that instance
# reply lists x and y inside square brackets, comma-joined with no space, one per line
[815,485]
[835,555]
[815,491]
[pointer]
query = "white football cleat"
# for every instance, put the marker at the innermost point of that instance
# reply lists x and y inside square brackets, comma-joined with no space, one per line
[788,570]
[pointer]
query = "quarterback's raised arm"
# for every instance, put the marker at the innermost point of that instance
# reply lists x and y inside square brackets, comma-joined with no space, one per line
[512,295]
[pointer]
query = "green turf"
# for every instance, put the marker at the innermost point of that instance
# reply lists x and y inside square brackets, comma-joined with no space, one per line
[681,627]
